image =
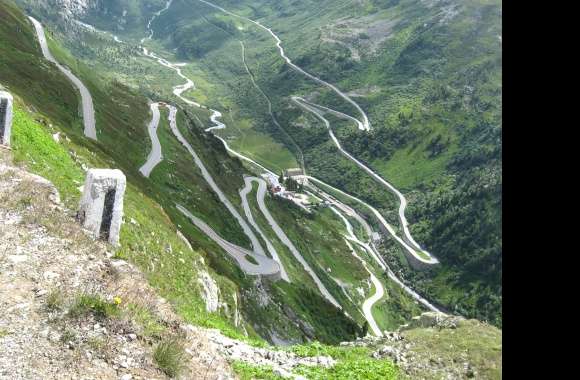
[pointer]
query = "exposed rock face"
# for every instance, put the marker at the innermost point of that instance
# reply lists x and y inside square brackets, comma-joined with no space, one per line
[75,7]
[101,207]
[282,362]
[210,291]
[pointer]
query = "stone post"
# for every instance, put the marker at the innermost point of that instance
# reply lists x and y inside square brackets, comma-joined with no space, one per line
[6,101]
[101,207]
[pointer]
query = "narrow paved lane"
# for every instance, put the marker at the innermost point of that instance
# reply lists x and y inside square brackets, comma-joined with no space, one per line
[155,156]
[408,242]
[265,267]
[288,243]
[88,109]
[248,211]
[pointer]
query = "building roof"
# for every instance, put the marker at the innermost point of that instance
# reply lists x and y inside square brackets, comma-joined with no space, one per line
[293,172]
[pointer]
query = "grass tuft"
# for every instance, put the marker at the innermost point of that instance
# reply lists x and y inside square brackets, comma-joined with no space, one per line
[54,300]
[169,356]
[93,304]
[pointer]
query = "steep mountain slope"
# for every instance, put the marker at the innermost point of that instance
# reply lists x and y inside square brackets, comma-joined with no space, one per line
[181,262]
[122,116]
[428,73]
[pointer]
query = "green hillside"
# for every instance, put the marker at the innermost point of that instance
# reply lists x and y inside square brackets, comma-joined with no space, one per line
[429,76]
[427,73]
[122,114]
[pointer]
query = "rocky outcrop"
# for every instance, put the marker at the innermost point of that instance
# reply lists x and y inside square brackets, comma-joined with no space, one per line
[434,319]
[75,8]
[440,346]
[210,292]
[282,362]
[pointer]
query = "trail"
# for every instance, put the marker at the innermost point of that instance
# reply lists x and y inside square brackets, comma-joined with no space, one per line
[88,109]
[270,111]
[155,156]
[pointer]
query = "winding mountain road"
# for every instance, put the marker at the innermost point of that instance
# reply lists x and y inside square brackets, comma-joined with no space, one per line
[402,200]
[379,217]
[288,243]
[88,109]
[416,250]
[155,156]
[372,252]
[370,248]
[379,290]
[248,211]
[265,266]
[364,125]
[209,179]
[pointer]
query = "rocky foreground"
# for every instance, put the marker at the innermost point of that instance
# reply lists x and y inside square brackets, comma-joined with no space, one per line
[70,309]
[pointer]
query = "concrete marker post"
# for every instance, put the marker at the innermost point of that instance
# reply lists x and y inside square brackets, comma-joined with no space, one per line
[101,206]
[6,109]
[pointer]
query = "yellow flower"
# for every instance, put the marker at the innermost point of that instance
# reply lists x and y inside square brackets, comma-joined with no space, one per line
[117,300]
